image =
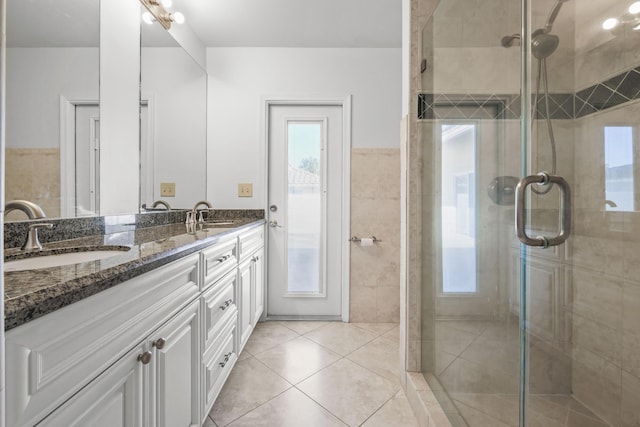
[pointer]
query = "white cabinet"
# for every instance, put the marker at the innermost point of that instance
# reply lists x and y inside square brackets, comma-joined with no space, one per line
[114,399]
[53,357]
[245,317]
[152,351]
[174,380]
[258,279]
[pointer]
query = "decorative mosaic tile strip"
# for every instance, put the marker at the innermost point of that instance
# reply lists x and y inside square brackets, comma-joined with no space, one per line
[617,90]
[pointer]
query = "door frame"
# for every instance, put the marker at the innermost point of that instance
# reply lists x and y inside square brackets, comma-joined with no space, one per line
[345,103]
[67,141]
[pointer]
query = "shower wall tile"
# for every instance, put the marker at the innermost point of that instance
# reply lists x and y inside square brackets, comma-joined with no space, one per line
[631,329]
[597,383]
[630,407]
[375,211]
[40,185]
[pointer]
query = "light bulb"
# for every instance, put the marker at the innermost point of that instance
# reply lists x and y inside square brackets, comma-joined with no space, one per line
[634,8]
[610,24]
[147,18]
[177,17]
[166,3]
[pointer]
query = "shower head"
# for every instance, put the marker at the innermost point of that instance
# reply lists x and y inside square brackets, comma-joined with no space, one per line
[543,44]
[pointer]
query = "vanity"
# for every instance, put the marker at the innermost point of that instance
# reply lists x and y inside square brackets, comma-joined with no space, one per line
[144,338]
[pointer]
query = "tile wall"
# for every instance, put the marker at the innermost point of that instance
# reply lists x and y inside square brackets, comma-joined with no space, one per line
[375,211]
[40,185]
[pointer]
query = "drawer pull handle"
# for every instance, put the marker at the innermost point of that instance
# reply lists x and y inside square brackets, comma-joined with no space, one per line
[226,304]
[159,343]
[226,359]
[224,258]
[145,357]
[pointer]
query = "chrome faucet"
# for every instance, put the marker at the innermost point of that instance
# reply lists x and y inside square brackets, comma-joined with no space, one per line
[161,202]
[197,213]
[32,210]
[32,243]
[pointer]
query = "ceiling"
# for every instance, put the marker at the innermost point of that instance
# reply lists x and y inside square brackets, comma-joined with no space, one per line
[221,23]
[294,23]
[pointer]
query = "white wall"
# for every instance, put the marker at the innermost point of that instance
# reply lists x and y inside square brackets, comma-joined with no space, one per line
[36,77]
[178,89]
[119,106]
[239,78]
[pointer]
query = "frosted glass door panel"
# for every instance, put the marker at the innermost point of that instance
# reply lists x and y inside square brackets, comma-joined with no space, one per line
[305,208]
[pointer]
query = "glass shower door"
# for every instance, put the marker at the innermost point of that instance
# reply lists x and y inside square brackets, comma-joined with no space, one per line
[581,299]
[515,335]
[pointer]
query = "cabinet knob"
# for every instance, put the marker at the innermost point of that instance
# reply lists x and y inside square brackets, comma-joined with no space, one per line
[145,357]
[159,343]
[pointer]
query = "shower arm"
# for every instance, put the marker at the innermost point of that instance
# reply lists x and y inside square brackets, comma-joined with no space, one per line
[552,16]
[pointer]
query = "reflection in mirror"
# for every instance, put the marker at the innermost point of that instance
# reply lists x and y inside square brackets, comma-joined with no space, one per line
[52,106]
[619,168]
[173,121]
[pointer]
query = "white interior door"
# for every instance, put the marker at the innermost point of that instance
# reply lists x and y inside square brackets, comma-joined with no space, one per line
[87,160]
[305,210]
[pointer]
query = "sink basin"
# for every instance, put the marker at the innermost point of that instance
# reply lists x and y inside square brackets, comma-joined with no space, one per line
[59,257]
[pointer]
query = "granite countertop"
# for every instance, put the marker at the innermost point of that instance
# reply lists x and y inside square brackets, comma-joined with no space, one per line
[31,294]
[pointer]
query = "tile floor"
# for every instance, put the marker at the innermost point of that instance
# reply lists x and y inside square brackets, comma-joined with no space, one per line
[476,367]
[316,374]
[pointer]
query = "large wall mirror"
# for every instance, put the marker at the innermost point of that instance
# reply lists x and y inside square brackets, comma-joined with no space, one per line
[173,137]
[52,124]
[52,111]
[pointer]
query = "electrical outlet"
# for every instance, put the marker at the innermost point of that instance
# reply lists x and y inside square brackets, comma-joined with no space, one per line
[245,190]
[167,189]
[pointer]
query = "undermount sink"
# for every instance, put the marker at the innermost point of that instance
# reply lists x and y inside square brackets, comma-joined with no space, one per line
[59,257]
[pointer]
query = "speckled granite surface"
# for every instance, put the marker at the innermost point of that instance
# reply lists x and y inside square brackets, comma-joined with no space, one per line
[33,293]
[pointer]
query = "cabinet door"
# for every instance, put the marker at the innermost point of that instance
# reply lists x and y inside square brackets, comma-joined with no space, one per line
[258,285]
[114,399]
[245,317]
[176,366]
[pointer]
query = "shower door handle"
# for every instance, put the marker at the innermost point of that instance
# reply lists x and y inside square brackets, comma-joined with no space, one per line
[543,178]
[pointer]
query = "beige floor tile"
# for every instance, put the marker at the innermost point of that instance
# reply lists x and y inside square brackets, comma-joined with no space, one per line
[350,392]
[268,335]
[342,338]
[209,423]
[376,328]
[396,412]
[381,356]
[302,327]
[577,419]
[502,408]
[290,409]
[244,355]
[394,335]
[475,418]
[250,385]
[297,359]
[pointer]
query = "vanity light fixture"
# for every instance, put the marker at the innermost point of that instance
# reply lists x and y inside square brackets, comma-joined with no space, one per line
[156,11]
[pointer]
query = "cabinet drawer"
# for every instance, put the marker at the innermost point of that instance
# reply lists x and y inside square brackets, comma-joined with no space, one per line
[250,241]
[219,260]
[54,356]
[218,363]
[219,306]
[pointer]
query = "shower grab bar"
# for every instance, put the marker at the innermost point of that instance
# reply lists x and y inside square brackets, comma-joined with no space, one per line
[543,178]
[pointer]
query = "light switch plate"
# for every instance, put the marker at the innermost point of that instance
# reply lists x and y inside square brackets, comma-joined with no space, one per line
[245,190]
[168,189]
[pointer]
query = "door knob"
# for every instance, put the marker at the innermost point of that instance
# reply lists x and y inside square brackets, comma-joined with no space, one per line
[274,224]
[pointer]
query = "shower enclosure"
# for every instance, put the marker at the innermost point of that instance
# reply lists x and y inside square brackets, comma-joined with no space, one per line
[545,333]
